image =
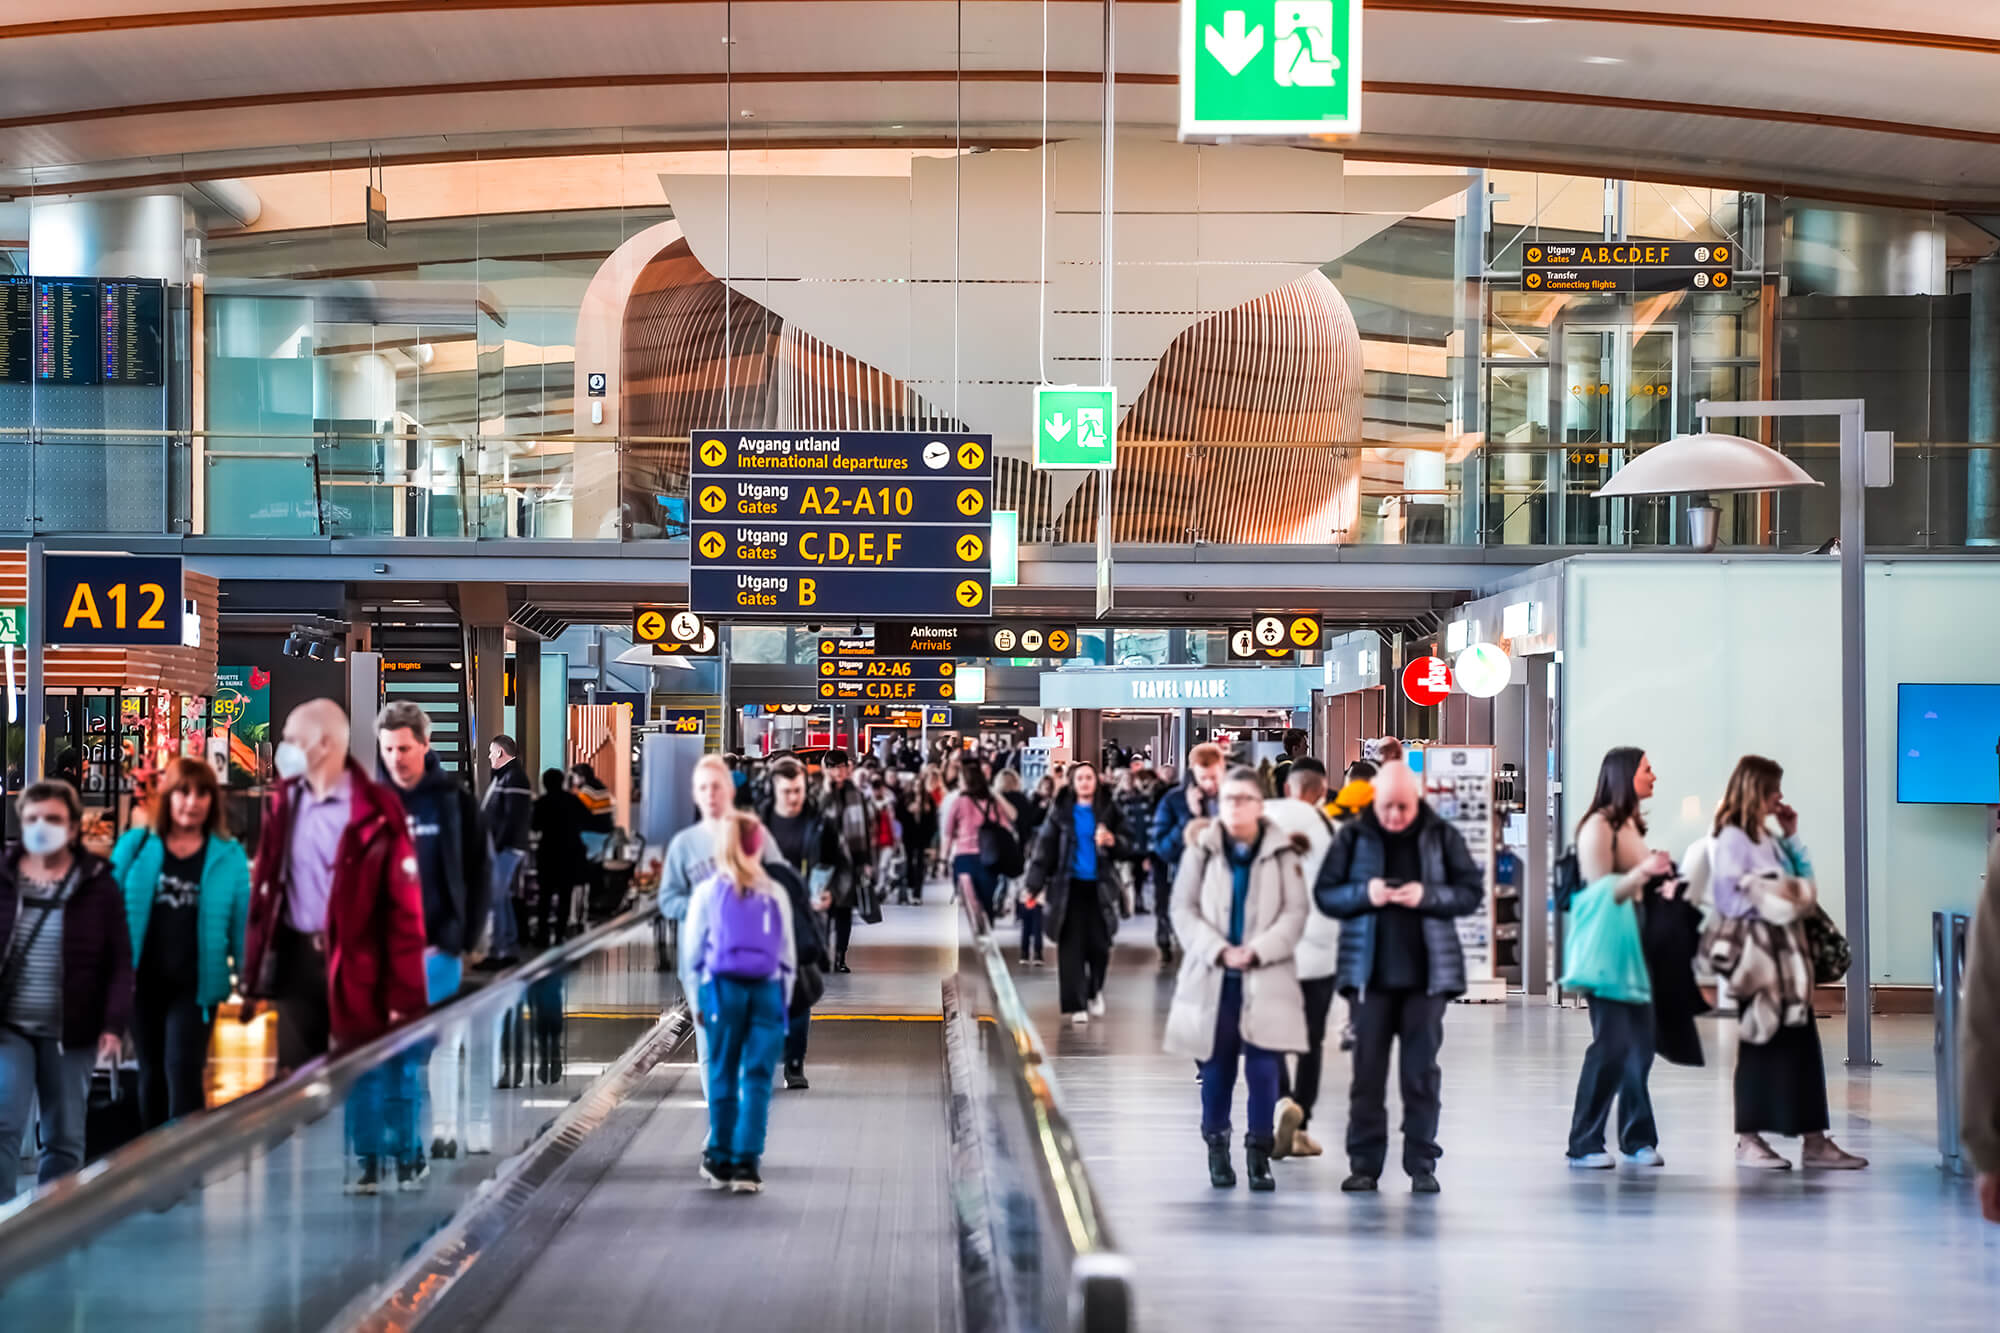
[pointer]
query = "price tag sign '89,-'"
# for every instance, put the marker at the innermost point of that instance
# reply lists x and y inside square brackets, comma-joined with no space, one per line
[127,600]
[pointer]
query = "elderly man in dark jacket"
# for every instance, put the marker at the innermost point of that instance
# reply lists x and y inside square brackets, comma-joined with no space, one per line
[1396,877]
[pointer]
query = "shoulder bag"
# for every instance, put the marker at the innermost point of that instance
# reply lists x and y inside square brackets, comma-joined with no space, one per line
[1602,953]
[999,849]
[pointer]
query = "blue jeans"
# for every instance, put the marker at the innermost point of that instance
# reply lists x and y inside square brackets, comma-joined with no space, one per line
[385,1110]
[1218,1073]
[39,1065]
[1031,930]
[745,1025]
[506,935]
[985,884]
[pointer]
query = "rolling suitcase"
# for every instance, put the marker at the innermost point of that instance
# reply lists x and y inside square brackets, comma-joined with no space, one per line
[111,1116]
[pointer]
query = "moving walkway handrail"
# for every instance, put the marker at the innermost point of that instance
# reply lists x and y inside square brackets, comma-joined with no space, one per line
[1100,1286]
[158,1167]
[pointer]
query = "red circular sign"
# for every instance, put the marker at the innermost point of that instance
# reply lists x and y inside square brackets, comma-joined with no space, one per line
[1427,681]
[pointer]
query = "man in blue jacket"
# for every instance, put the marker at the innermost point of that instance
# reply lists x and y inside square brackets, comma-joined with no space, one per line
[1396,877]
[1194,799]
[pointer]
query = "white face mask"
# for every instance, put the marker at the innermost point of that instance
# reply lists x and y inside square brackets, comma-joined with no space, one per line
[290,760]
[42,838]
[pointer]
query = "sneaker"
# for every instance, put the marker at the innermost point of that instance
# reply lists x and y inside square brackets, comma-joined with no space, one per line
[1290,1116]
[715,1171]
[1038,961]
[410,1176]
[1360,1182]
[1753,1152]
[795,1078]
[1080,1017]
[1347,1037]
[1646,1157]
[443,1149]
[1591,1161]
[1305,1145]
[1824,1154]
[1424,1183]
[1097,1006]
[370,1179]
[745,1180]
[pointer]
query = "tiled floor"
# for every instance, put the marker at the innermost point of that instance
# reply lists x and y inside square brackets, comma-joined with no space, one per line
[1518,1241]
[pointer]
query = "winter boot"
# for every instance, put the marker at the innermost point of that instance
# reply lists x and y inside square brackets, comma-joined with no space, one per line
[1220,1173]
[1257,1157]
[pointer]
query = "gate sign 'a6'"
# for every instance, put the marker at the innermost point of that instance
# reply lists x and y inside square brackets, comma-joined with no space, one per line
[1427,682]
[1286,69]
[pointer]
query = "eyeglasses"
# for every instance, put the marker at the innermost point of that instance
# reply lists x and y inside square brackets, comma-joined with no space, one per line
[1240,797]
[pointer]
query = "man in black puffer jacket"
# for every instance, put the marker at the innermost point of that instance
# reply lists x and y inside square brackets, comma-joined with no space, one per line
[1397,876]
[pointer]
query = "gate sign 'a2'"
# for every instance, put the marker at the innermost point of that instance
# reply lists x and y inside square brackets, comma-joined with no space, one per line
[1285,69]
[1427,682]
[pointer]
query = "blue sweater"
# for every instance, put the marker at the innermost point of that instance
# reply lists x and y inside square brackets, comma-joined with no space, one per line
[220,912]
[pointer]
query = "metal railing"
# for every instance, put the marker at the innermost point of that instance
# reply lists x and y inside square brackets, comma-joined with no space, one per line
[183,1160]
[1036,1249]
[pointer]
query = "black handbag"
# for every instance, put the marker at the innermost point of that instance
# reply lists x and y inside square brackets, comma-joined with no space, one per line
[1827,947]
[999,849]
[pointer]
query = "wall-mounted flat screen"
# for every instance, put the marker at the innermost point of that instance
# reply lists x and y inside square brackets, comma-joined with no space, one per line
[133,313]
[17,328]
[1945,741]
[67,338]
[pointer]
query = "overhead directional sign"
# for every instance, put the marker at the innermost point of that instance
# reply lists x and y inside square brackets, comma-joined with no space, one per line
[837,524]
[1243,647]
[1627,266]
[684,721]
[1004,638]
[128,600]
[849,691]
[1277,629]
[1284,70]
[660,626]
[1076,429]
[883,668]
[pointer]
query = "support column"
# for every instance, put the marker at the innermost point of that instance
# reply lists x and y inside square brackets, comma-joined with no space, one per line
[482,609]
[1982,466]
[1086,740]
[1535,793]
[528,708]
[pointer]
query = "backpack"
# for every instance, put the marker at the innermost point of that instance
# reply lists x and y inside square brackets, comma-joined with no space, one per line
[999,849]
[1566,878]
[746,940]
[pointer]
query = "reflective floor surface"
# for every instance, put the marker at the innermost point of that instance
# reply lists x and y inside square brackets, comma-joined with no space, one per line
[1518,1241]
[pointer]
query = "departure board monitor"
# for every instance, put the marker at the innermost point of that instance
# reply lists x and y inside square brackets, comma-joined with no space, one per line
[82,330]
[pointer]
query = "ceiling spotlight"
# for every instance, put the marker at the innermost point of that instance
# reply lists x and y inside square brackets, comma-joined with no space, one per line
[292,645]
[317,650]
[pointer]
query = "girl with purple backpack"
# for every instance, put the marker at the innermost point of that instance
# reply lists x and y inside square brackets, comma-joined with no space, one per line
[739,940]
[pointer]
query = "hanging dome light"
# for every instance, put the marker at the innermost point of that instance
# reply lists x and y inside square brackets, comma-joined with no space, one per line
[1706,464]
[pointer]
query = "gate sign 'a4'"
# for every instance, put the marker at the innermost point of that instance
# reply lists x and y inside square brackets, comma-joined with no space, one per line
[1286,69]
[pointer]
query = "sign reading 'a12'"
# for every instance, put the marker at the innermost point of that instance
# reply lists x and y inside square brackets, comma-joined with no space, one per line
[850,523]
[128,600]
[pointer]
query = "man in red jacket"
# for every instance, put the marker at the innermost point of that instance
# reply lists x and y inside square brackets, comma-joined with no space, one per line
[336,931]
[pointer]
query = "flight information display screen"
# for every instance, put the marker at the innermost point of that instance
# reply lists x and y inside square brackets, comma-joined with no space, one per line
[82,330]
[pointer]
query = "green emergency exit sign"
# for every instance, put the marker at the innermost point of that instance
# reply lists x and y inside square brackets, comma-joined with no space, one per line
[1076,428]
[13,625]
[1286,69]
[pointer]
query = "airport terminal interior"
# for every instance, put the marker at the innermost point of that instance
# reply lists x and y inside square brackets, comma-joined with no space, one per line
[1293,534]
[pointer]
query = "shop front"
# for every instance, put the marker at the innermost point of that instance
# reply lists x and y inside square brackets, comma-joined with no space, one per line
[1159,713]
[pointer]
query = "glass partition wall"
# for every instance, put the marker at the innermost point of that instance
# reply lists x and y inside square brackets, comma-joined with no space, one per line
[526,356]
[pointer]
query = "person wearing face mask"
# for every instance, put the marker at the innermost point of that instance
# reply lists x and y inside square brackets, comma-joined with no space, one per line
[1197,798]
[187,898]
[335,939]
[65,979]
[1396,877]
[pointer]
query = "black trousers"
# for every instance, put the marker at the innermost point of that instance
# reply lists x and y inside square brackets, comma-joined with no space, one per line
[798,1029]
[1617,1064]
[171,1037]
[913,867]
[1414,1021]
[1083,952]
[843,927]
[305,1023]
[1303,1087]
[1163,901]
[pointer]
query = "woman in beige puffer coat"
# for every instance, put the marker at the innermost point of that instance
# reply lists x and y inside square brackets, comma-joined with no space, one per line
[1240,905]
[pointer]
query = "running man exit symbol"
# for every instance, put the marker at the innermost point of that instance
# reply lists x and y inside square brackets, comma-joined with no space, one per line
[1075,427]
[1305,57]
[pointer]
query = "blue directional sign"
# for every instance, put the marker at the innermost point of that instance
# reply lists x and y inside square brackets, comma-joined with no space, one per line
[791,524]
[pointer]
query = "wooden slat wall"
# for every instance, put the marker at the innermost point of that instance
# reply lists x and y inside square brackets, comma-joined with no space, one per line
[182,670]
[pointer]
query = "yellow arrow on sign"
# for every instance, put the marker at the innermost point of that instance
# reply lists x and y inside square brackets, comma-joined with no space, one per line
[1305,632]
[970,501]
[970,455]
[826,690]
[651,625]
[712,544]
[970,593]
[945,668]
[969,547]
[712,499]
[1058,641]
[713,452]
[944,691]
[826,668]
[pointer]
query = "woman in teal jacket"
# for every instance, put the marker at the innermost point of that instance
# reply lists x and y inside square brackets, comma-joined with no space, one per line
[187,897]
